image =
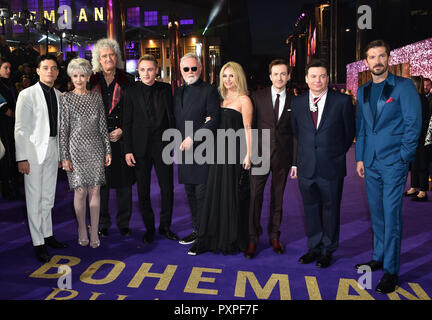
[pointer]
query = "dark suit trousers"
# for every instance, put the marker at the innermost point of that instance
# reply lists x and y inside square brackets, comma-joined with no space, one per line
[195,194]
[420,179]
[124,207]
[321,203]
[257,185]
[164,175]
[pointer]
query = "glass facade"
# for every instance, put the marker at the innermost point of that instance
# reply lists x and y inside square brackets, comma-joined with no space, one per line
[150,18]
[186,21]
[133,17]
[16,6]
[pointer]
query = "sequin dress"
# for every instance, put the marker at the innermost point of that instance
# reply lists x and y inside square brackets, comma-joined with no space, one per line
[84,138]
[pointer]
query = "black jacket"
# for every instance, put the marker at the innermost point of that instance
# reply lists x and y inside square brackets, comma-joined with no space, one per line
[138,125]
[118,174]
[202,101]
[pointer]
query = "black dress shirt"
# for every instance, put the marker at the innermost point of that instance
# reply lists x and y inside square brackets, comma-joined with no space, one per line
[107,92]
[156,113]
[51,100]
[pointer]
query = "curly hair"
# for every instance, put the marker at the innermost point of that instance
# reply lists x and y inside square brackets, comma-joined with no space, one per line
[106,43]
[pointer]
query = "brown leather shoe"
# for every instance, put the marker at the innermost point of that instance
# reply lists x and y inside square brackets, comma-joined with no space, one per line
[250,252]
[277,246]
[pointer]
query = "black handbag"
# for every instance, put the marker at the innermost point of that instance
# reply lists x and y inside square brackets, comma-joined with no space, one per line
[244,184]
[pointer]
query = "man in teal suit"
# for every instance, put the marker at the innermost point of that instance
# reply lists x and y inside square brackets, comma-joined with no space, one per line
[388,126]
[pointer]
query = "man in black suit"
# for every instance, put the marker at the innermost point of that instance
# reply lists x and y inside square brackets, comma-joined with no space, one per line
[323,123]
[111,81]
[193,103]
[148,112]
[272,112]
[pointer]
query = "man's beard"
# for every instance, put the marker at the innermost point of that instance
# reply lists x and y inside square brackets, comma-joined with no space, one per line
[190,81]
[385,68]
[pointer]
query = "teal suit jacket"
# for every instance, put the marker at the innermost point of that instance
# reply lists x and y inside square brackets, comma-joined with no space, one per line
[393,135]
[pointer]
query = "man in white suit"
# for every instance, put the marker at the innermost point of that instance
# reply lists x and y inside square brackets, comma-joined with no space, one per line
[36,143]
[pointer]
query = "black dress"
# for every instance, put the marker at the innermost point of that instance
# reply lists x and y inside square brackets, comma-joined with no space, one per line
[223,222]
[419,167]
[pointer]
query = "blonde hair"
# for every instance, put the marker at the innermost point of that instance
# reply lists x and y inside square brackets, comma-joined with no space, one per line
[148,57]
[106,43]
[239,78]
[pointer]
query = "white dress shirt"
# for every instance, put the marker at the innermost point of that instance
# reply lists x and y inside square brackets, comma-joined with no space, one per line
[321,104]
[282,97]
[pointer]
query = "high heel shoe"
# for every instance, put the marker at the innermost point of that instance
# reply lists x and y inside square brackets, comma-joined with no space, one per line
[94,243]
[83,242]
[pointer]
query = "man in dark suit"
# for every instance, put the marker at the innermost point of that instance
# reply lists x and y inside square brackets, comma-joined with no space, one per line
[147,113]
[111,82]
[323,123]
[271,112]
[193,103]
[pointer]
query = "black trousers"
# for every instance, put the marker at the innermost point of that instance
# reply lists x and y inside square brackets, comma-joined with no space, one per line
[195,194]
[124,207]
[420,179]
[321,203]
[164,175]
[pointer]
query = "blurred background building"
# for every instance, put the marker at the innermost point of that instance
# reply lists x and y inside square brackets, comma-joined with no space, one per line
[251,32]
[328,30]
[214,30]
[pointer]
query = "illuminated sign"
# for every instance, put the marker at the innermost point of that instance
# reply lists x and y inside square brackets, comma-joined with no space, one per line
[65,16]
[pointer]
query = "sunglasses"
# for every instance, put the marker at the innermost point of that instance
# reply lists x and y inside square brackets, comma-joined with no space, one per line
[186,69]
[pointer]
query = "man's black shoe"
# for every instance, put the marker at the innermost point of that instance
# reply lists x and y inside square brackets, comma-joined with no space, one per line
[168,234]
[42,253]
[103,232]
[53,243]
[189,239]
[324,261]
[125,232]
[148,237]
[387,284]
[374,265]
[309,257]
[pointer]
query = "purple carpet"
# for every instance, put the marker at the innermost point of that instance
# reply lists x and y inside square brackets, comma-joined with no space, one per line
[125,268]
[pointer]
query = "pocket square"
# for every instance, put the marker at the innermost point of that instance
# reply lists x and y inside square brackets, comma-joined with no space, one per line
[390,100]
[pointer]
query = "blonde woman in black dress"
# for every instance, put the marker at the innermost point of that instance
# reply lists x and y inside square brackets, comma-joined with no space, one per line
[223,226]
[84,147]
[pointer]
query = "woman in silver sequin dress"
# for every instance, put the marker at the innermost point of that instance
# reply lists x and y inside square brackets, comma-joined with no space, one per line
[84,147]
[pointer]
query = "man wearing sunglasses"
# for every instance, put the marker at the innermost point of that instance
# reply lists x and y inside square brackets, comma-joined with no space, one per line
[194,101]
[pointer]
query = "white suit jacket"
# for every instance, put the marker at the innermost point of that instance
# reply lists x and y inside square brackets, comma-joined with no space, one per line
[32,127]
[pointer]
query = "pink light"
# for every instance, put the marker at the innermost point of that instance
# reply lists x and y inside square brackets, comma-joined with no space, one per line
[418,55]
